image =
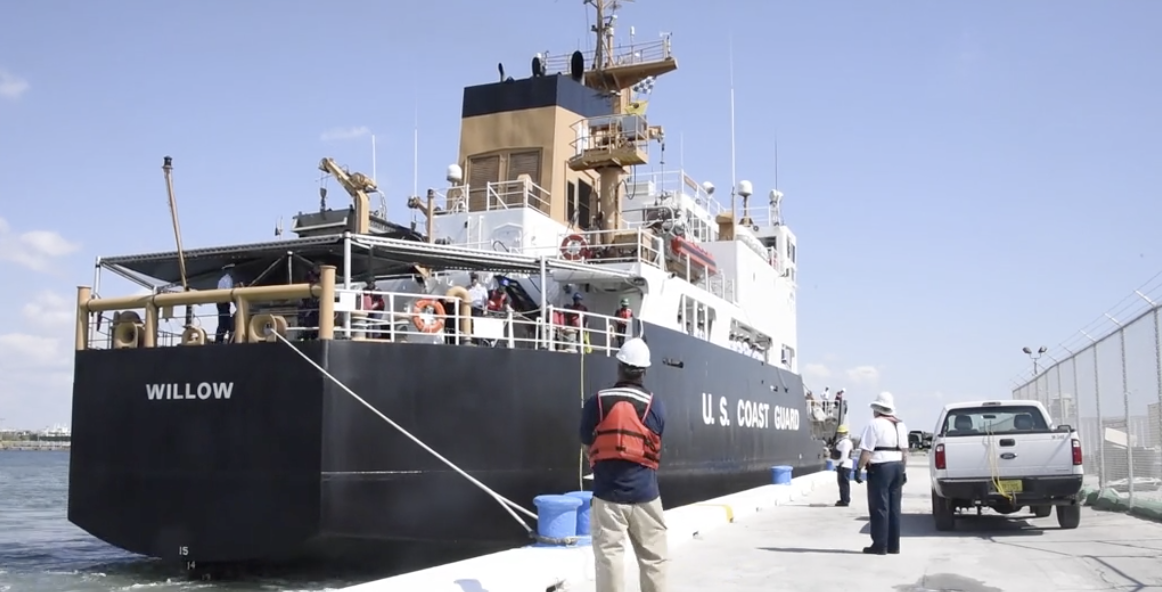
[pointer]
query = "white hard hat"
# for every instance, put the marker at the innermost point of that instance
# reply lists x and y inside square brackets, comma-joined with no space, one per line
[634,353]
[884,403]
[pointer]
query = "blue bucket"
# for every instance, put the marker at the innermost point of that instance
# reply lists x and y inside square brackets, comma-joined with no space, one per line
[781,475]
[556,518]
[830,465]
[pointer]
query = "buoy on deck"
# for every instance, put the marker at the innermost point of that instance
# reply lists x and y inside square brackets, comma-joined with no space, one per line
[557,519]
[583,533]
[781,475]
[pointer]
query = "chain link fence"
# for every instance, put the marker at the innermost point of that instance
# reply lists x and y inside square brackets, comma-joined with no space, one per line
[1107,383]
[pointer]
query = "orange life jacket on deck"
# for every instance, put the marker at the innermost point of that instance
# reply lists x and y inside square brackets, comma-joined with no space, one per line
[621,432]
[497,300]
[625,313]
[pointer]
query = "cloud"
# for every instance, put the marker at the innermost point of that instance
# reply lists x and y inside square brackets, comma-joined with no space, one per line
[866,375]
[816,372]
[25,351]
[344,133]
[50,311]
[12,86]
[34,249]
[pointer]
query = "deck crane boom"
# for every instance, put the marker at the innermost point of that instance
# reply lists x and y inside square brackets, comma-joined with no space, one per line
[357,186]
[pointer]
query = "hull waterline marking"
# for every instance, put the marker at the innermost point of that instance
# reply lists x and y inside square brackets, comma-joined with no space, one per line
[749,414]
[189,390]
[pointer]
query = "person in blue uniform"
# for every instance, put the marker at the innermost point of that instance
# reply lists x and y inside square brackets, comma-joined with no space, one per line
[884,449]
[622,427]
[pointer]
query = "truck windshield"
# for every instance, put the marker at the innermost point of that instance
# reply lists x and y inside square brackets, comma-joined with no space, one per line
[976,421]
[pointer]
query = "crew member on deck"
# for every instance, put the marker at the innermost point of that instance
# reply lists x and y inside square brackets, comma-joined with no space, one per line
[622,428]
[843,464]
[498,297]
[884,448]
[625,314]
[478,294]
[225,319]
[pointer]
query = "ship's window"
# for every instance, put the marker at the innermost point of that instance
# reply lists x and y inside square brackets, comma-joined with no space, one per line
[584,205]
[526,163]
[482,170]
[791,251]
[571,203]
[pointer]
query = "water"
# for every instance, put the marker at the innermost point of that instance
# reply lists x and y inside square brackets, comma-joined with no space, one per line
[40,551]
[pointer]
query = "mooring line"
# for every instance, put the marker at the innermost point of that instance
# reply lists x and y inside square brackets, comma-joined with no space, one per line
[504,502]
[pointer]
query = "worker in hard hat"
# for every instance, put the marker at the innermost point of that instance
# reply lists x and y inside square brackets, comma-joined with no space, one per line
[622,428]
[841,455]
[624,315]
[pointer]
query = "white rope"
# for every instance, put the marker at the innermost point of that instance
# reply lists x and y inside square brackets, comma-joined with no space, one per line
[504,502]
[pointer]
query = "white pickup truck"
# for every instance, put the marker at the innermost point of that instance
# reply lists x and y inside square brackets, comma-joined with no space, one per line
[1004,455]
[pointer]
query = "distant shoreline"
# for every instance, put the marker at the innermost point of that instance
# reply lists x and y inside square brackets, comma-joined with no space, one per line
[33,446]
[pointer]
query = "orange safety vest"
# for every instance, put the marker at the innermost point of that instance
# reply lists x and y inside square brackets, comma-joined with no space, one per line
[621,432]
[497,299]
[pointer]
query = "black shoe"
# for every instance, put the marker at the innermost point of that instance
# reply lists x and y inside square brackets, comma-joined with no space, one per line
[893,551]
[841,504]
[874,551]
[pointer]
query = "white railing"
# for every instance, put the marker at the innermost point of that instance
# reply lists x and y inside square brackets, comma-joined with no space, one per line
[502,195]
[671,183]
[410,318]
[609,132]
[623,55]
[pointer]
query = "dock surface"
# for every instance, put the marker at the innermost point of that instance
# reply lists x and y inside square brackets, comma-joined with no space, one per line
[812,545]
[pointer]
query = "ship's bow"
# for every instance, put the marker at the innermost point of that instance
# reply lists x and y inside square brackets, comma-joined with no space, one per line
[203,454]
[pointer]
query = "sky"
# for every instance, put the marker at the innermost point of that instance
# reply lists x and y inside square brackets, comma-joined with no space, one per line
[965,179]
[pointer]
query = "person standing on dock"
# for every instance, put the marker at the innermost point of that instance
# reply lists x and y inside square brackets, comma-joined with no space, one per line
[884,447]
[843,465]
[622,427]
[225,319]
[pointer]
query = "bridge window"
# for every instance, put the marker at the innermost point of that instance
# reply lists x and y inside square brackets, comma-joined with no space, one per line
[584,205]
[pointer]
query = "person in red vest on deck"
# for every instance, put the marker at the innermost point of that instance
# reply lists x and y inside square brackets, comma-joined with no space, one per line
[621,326]
[498,297]
[622,427]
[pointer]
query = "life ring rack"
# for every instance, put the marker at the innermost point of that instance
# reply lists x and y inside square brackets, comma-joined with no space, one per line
[574,247]
[428,315]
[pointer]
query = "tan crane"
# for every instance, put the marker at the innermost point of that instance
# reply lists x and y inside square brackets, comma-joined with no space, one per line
[357,186]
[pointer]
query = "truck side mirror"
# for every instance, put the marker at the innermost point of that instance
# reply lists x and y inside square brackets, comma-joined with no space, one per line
[1065,428]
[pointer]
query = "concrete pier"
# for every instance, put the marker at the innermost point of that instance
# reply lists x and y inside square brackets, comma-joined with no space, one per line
[811,545]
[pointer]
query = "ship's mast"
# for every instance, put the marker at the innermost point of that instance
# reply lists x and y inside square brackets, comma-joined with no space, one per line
[619,143]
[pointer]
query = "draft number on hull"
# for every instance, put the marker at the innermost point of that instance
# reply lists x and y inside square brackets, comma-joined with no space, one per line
[748,414]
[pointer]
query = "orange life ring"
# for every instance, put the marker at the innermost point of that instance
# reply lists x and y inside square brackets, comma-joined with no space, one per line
[425,321]
[574,247]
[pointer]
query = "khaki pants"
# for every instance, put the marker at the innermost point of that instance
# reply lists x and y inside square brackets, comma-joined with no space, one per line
[645,524]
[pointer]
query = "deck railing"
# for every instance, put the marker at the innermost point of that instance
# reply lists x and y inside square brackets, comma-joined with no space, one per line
[501,195]
[375,315]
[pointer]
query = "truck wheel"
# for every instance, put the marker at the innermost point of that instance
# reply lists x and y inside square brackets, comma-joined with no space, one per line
[1042,511]
[942,513]
[1069,516]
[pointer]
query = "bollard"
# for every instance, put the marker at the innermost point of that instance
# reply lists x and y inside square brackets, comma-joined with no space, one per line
[781,475]
[556,519]
[830,465]
[586,497]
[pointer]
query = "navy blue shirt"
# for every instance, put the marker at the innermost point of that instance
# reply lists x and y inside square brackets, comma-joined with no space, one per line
[623,481]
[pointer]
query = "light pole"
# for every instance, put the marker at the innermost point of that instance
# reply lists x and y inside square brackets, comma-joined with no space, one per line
[1035,356]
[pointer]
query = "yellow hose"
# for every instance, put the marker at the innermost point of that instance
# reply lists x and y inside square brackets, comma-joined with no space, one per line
[995,469]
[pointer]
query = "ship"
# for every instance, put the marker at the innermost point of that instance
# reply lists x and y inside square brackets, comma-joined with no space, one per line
[309,418]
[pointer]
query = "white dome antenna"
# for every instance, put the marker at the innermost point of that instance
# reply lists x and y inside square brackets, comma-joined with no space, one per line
[455,174]
[708,187]
[745,188]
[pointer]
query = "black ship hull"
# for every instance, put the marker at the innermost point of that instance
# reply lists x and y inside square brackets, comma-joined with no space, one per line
[246,452]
